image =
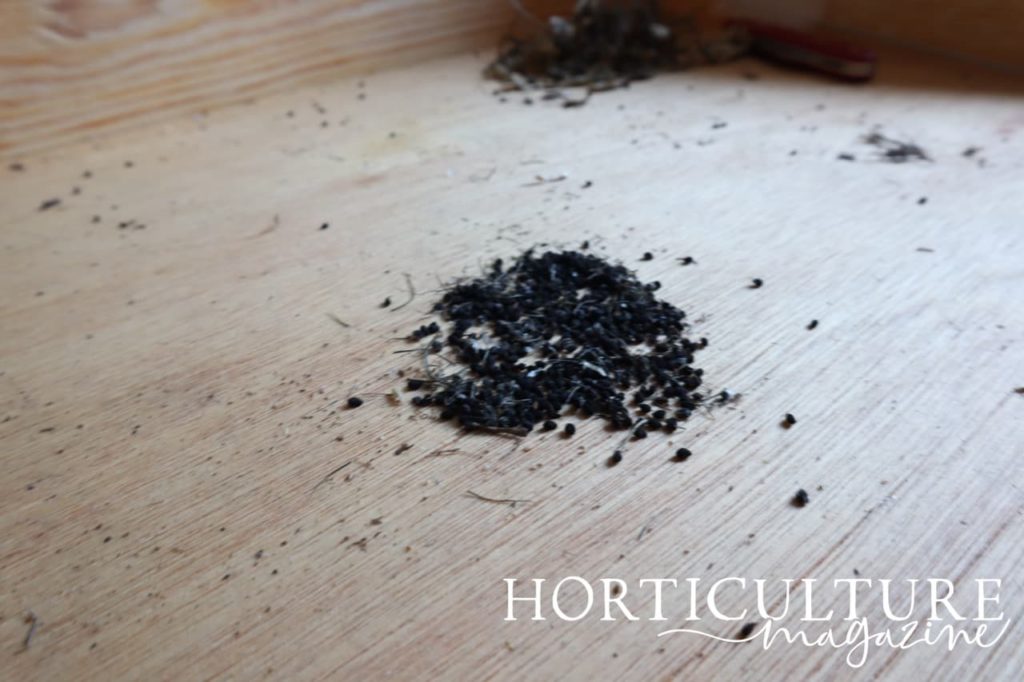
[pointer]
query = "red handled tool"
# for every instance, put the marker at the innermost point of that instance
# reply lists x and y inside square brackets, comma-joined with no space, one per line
[802,49]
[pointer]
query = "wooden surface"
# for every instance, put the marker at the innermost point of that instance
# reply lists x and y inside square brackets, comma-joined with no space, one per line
[987,31]
[72,69]
[76,70]
[170,394]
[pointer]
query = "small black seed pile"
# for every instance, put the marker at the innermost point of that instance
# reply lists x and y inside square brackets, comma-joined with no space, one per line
[554,334]
[604,45]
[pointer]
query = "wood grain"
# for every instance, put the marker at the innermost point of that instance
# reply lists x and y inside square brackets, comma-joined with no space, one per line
[72,68]
[171,395]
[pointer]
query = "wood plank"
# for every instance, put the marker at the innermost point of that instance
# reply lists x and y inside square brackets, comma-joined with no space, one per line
[74,68]
[169,396]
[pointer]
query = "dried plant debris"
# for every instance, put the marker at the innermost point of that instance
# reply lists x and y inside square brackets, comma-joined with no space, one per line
[605,44]
[554,335]
[892,150]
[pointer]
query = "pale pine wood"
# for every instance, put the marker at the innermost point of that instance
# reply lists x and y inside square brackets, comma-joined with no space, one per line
[70,69]
[177,388]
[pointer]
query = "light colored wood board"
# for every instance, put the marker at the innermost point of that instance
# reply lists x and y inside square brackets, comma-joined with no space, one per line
[199,360]
[75,68]
[983,30]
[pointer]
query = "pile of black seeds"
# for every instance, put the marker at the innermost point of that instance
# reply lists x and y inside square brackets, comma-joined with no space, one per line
[603,45]
[557,334]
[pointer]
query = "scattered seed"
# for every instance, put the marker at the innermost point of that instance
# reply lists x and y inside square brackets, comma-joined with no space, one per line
[682,454]
[801,498]
[354,402]
[895,151]
[812,325]
[756,283]
[788,420]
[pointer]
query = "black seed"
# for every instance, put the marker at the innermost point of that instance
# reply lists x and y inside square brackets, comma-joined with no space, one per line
[658,414]
[354,402]
[569,430]
[647,256]
[801,498]
[386,302]
[553,332]
[682,454]
[812,325]
[324,226]
[687,260]
[756,283]
[639,433]
[550,425]
[414,384]
[615,458]
[788,420]
[747,630]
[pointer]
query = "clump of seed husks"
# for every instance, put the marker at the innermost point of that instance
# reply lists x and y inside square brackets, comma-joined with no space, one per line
[558,334]
[892,150]
[605,44]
